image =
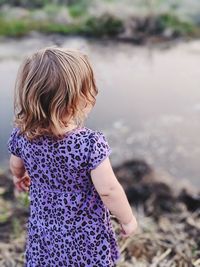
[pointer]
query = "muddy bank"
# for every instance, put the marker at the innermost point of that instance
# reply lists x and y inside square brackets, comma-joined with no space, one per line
[169,219]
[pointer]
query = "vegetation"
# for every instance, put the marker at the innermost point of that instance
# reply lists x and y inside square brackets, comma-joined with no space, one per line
[173,22]
[86,17]
[14,27]
[104,25]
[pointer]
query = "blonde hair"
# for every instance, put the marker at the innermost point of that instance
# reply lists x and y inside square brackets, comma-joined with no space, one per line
[49,87]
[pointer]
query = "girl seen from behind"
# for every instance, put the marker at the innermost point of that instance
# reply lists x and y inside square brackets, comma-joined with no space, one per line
[64,165]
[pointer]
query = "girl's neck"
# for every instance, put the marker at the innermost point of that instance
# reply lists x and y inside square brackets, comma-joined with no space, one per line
[71,126]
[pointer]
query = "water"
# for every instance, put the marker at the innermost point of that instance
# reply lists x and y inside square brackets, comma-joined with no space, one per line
[148,103]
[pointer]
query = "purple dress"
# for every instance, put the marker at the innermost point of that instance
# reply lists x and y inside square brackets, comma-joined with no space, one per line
[68,225]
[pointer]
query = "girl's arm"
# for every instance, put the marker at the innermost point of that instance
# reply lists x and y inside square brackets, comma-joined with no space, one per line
[111,192]
[20,176]
[17,166]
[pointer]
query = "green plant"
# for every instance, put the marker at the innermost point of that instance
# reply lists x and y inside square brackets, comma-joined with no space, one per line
[16,227]
[173,22]
[14,27]
[4,216]
[23,199]
[104,25]
[76,11]
[57,28]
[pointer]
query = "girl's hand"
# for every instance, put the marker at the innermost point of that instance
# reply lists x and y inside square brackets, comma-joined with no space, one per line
[129,228]
[22,184]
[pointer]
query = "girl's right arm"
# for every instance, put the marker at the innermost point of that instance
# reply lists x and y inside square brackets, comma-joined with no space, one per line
[112,194]
[20,176]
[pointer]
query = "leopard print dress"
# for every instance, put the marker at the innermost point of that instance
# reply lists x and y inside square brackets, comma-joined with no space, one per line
[68,225]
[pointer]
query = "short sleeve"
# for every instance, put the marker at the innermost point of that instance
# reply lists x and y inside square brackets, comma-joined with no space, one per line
[13,143]
[99,149]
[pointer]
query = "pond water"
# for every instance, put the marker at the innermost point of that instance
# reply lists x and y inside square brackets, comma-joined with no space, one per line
[148,103]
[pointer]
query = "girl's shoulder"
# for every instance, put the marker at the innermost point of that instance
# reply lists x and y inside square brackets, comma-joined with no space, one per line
[92,134]
[14,142]
[96,136]
[93,141]
[99,148]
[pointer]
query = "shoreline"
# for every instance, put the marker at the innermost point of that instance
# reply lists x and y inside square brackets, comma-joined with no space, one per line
[151,41]
[94,20]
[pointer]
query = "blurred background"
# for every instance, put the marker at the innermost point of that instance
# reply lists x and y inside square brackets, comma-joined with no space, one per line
[145,55]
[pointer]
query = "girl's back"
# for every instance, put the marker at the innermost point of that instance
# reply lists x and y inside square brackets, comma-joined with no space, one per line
[68,220]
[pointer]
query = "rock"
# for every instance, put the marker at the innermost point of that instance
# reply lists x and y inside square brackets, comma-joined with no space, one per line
[132,171]
[191,201]
[138,194]
[160,200]
[156,197]
[143,187]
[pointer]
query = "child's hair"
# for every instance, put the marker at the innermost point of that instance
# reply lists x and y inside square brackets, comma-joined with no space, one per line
[49,85]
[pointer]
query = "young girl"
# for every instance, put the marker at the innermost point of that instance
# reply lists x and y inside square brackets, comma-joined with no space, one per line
[72,185]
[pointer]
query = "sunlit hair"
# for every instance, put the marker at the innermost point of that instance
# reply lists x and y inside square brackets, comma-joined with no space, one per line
[49,87]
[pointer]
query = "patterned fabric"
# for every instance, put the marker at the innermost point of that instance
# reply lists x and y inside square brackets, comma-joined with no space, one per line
[68,225]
